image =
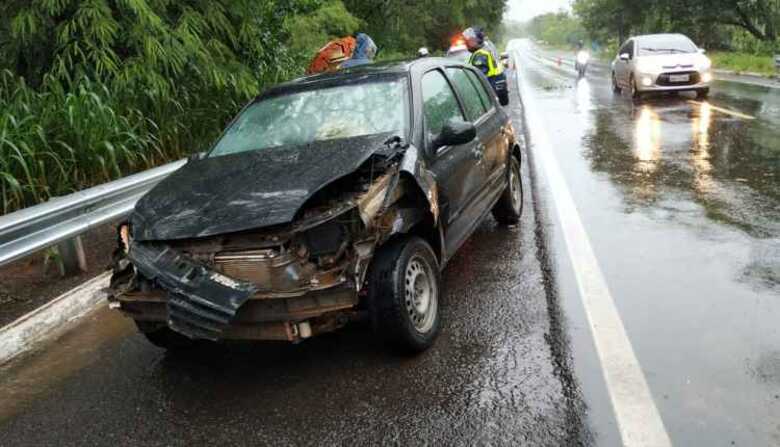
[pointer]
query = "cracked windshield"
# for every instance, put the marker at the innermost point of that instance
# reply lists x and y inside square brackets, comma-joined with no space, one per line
[318,115]
[371,222]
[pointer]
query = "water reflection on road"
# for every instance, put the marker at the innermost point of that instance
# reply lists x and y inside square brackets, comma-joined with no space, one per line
[681,202]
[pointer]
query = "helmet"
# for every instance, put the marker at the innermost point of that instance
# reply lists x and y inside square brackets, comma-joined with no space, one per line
[474,37]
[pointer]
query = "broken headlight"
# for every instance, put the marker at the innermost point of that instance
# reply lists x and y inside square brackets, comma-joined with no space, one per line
[125,237]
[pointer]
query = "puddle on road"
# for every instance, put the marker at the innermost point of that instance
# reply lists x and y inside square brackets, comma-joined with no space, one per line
[666,147]
[32,375]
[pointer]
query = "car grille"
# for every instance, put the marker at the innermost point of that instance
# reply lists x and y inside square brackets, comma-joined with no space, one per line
[663,80]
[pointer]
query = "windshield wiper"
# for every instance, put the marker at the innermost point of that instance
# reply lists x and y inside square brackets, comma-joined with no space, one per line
[671,50]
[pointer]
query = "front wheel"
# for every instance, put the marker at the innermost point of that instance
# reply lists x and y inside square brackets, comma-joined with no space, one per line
[404,290]
[703,93]
[509,208]
[615,87]
[636,95]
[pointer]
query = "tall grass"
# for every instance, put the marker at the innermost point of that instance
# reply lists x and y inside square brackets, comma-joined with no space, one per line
[58,139]
[66,136]
[744,62]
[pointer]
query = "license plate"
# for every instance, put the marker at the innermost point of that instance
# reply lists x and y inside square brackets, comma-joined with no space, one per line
[679,78]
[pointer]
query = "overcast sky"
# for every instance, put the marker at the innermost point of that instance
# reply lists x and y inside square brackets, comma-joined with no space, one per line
[523,10]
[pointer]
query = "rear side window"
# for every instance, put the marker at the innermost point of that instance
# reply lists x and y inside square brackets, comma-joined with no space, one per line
[439,102]
[483,93]
[468,93]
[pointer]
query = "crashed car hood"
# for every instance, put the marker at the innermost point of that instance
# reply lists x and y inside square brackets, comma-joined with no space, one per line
[244,191]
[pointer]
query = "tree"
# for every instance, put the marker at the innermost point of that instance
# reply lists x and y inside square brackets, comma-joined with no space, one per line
[704,19]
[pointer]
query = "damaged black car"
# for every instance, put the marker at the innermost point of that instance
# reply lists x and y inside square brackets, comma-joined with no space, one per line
[329,199]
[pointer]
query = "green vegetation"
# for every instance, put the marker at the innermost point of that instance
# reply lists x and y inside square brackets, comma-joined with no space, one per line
[95,89]
[743,62]
[741,35]
[557,29]
[736,25]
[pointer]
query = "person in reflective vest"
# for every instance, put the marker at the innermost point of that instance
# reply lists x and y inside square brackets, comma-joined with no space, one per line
[484,56]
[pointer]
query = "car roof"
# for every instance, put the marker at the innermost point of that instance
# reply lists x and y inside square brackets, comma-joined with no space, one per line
[397,68]
[660,36]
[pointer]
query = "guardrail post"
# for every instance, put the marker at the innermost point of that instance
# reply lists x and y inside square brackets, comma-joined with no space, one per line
[73,260]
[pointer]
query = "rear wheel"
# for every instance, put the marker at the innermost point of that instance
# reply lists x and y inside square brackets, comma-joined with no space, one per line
[164,337]
[509,208]
[404,292]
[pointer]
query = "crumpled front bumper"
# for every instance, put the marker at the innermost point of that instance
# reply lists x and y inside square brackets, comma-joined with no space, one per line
[201,303]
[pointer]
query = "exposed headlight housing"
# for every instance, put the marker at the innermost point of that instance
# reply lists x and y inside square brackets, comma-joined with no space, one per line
[125,237]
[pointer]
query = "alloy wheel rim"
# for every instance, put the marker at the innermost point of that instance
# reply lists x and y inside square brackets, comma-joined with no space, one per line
[421,294]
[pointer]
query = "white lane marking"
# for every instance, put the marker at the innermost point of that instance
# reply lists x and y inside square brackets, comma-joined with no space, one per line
[638,419]
[725,111]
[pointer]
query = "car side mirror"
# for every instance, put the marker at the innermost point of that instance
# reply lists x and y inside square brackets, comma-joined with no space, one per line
[455,133]
[625,57]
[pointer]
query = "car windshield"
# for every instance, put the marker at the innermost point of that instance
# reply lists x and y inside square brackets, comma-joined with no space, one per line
[300,118]
[666,45]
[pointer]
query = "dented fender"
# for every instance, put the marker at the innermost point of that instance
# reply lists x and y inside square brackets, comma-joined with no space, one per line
[415,165]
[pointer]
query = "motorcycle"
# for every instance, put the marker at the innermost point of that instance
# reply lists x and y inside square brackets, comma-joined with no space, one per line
[583,58]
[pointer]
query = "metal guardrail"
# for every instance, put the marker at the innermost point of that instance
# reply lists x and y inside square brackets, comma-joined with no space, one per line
[777,62]
[62,220]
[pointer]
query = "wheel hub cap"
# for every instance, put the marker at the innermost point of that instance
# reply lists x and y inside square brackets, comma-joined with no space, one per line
[421,295]
[514,184]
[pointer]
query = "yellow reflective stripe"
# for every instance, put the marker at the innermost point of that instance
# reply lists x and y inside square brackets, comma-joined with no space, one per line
[494,69]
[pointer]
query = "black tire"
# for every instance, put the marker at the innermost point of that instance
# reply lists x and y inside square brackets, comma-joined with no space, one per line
[404,290]
[509,208]
[164,337]
[615,87]
[703,93]
[503,97]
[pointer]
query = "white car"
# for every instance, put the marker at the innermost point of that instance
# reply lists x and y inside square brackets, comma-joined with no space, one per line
[661,63]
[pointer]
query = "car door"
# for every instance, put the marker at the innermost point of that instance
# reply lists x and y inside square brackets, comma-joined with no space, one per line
[459,170]
[624,72]
[481,111]
[495,124]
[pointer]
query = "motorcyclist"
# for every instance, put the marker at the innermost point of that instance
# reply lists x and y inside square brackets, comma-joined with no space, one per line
[484,56]
[582,58]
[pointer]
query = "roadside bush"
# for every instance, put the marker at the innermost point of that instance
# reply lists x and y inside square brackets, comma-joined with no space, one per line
[59,139]
[97,89]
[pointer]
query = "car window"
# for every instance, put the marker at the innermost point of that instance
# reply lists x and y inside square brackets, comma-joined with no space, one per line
[649,46]
[628,48]
[484,95]
[319,114]
[468,94]
[439,102]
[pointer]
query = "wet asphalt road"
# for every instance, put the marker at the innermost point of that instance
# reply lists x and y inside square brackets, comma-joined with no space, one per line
[681,202]
[497,375]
